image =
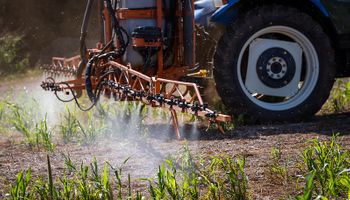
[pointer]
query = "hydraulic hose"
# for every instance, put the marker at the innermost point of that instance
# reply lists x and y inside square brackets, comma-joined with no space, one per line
[84,28]
[116,53]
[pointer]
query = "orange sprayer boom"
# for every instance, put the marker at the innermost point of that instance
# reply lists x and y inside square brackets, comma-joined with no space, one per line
[135,62]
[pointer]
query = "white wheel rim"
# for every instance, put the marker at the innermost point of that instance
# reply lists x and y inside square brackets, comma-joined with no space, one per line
[311,68]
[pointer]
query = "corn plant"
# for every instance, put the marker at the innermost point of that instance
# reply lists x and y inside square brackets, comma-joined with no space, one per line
[69,163]
[329,167]
[118,175]
[278,168]
[22,122]
[92,128]
[226,179]
[20,190]
[46,190]
[35,133]
[43,135]
[69,126]
[176,181]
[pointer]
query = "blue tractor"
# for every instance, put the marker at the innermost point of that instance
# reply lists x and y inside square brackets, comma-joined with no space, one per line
[277,60]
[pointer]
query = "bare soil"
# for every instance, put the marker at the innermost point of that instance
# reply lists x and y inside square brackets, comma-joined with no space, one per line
[147,153]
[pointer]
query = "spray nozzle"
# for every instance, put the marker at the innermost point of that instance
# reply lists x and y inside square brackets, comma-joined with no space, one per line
[196,107]
[160,98]
[172,102]
[211,115]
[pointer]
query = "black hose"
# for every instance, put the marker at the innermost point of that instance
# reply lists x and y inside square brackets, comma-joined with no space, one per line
[88,84]
[119,32]
[84,28]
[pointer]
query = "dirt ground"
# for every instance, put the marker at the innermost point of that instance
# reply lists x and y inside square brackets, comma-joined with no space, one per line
[147,153]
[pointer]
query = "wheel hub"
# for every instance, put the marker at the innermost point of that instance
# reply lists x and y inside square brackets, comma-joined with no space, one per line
[274,67]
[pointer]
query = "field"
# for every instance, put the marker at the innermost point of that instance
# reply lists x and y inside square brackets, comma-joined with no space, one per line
[121,153]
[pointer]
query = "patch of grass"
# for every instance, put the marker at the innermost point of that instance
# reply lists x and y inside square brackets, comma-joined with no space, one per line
[327,170]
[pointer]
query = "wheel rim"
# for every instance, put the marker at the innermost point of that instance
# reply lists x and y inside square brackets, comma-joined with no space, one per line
[310,69]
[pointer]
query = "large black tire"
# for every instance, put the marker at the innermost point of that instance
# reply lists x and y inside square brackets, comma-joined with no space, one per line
[229,80]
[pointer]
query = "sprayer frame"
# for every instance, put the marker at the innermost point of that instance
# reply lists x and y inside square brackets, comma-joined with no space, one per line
[161,91]
[177,70]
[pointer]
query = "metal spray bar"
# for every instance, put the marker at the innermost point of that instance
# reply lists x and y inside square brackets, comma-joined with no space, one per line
[178,95]
[129,84]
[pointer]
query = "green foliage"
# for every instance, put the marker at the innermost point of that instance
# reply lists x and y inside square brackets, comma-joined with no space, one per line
[20,190]
[82,129]
[84,182]
[43,135]
[278,168]
[340,96]
[69,125]
[328,170]
[93,127]
[11,60]
[225,179]
[35,133]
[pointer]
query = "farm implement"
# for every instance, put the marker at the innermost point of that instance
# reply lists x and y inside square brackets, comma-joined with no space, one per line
[145,48]
[275,61]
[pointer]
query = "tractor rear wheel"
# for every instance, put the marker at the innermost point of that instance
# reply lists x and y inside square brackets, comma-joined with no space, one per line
[274,63]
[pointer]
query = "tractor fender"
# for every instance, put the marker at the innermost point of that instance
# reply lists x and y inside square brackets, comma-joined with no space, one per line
[228,13]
